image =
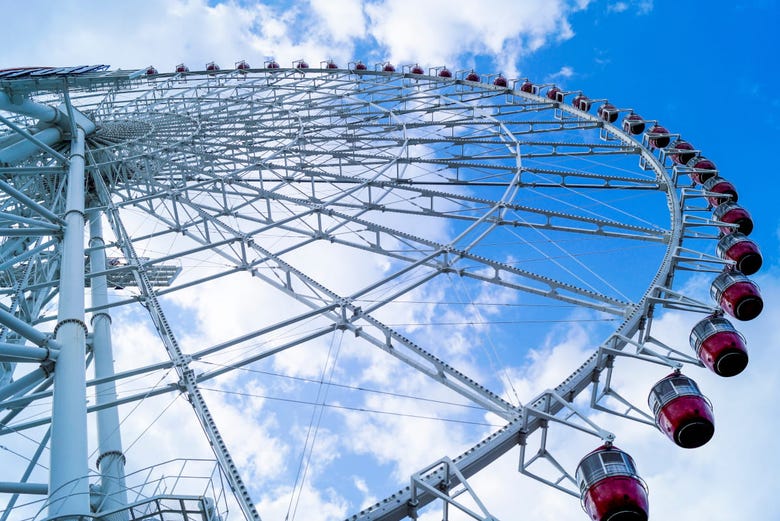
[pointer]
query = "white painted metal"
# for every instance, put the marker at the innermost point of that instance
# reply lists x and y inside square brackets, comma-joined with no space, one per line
[251,169]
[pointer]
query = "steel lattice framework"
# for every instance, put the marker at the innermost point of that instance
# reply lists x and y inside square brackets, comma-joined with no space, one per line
[431,183]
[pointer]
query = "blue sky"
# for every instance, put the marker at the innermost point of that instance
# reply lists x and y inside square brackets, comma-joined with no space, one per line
[703,69]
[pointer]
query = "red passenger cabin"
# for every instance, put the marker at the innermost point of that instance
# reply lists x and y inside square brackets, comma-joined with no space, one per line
[702,169]
[151,71]
[732,213]
[388,67]
[360,66]
[737,295]
[634,124]
[445,73]
[681,411]
[527,86]
[658,136]
[500,81]
[271,65]
[718,185]
[331,65]
[610,487]
[242,65]
[182,68]
[682,152]
[719,346]
[581,102]
[555,94]
[211,66]
[608,112]
[744,252]
[472,76]
[417,69]
[301,64]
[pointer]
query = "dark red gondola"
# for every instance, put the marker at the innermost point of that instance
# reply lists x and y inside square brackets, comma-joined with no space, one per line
[733,213]
[743,251]
[527,86]
[242,65]
[737,295]
[472,76]
[555,94]
[388,67]
[702,169]
[150,71]
[610,488]
[211,66]
[718,185]
[182,68]
[581,102]
[658,136]
[607,112]
[360,66]
[417,70]
[681,411]
[331,65]
[682,152]
[719,346]
[272,65]
[445,73]
[300,64]
[634,124]
[500,81]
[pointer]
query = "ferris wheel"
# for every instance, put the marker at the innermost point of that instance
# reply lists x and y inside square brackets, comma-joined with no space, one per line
[320,257]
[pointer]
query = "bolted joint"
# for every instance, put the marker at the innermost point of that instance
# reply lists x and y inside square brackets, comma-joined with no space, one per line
[48,367]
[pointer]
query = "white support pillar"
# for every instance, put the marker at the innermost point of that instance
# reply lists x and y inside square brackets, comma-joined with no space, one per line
[111,461]
[68,483]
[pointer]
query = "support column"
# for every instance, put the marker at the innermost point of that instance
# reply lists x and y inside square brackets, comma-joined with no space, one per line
[111,461]
[68,483]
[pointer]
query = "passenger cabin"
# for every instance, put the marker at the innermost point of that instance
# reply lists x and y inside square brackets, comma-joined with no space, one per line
[607,112]
[718,185]
[737,295]
[633,124]
[743,251]
[732,213]
[658,136]
[719,346]
[681,411]
[610,488]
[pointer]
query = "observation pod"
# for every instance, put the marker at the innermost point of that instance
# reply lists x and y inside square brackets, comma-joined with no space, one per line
[555,94]
[211,66]
[582,102]
[719,346]
[271,65]
[718,185]
[360,66]
[472,76]
[242,65]
[182,68]
[417,69]
[633,124]
[658,136]
[331,65]
[737,295]
[150,71]
[527,86]
[681,411]
[610,488]
[732,213]
[388,67]
[500,81]
[445,73]
[744,252]
[703,169]
[608,112]
[301,64]
[680,154]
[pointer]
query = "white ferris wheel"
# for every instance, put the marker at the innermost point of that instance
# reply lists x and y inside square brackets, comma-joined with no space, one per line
[324,249]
